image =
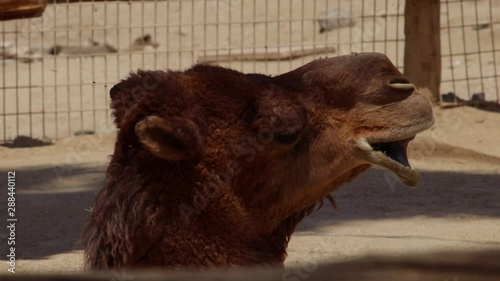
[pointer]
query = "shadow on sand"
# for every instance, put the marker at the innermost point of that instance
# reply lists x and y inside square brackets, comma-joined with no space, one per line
[51,210]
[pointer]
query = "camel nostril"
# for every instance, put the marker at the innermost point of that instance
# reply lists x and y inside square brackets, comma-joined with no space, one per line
[402,84]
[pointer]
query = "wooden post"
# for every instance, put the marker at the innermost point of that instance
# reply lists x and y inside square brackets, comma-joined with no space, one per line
[422,62]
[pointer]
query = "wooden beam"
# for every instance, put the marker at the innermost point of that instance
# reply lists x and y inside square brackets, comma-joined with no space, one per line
[77,1]
[479,266]
[16,9]
[422,61]
[264,54]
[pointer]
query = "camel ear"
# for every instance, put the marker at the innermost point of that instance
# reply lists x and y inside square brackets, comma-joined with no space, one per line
[173,139]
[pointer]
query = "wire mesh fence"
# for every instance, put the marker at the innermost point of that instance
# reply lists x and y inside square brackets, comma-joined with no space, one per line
[55,82]
[470,38]
[55,71]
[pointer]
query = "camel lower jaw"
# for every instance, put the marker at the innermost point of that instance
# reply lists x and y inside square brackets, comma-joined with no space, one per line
[407,175]
[392,156]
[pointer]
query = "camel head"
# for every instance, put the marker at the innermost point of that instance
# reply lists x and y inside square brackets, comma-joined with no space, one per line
[361,111]
[295,137]
[246,152]
[368,110]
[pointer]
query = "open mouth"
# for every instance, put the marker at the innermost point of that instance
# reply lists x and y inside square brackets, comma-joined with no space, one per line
[395,150]
[392,155]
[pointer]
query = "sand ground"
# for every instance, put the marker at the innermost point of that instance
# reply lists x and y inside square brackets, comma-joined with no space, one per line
[457,206]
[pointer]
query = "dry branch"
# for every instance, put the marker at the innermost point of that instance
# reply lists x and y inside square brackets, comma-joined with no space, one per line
[262,54]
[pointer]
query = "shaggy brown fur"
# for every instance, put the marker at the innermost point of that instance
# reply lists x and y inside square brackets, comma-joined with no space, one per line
[213,167]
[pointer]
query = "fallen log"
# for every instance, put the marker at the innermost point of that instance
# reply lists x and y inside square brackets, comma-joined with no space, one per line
[452,266]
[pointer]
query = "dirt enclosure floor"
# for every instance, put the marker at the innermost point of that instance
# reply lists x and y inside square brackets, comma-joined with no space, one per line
[456,207]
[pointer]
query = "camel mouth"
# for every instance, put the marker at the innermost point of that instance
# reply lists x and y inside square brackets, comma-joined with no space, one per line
[395,150]
[393,156]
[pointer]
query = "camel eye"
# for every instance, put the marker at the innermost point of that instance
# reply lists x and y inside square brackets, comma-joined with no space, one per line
[287,138]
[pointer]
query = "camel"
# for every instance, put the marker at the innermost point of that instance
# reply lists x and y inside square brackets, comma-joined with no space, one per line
[215,168]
